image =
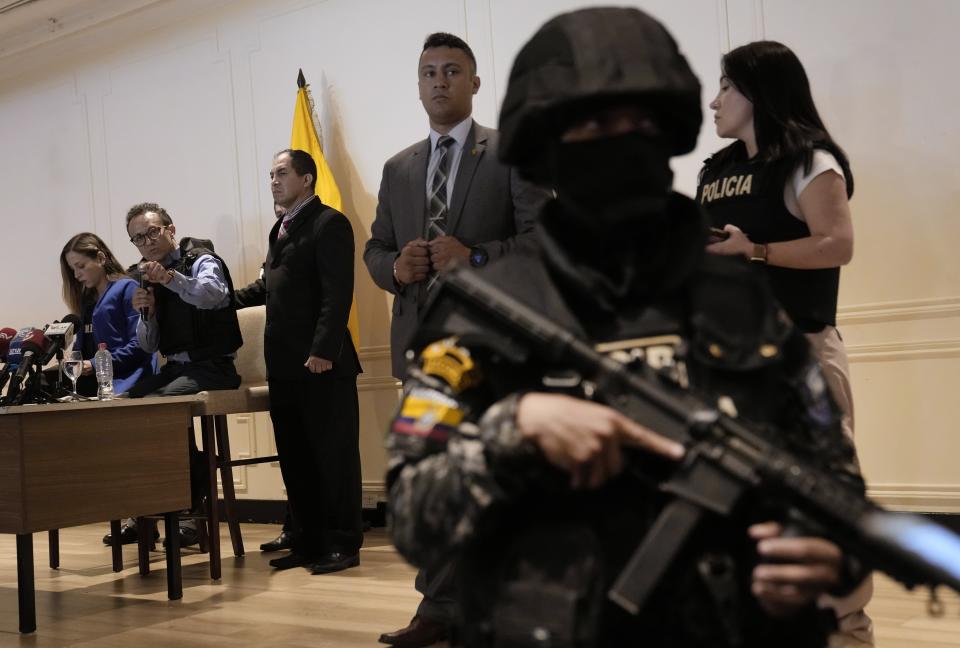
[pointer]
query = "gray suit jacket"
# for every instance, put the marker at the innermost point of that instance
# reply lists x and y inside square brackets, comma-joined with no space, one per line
[490,207]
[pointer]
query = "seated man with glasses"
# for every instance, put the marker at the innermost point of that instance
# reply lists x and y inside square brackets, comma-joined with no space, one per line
[186,308]
[187,313]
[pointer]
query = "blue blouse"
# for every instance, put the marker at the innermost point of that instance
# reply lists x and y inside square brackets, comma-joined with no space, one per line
[115,322]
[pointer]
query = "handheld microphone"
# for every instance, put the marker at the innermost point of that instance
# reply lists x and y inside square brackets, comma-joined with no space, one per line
[143,284]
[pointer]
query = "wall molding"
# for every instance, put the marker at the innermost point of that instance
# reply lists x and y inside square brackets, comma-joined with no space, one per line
[377,383]
[375,352]
[918,498]
[899,310]
[919,350]
[374,491]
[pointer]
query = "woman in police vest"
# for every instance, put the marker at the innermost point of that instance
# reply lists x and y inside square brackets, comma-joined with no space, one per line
[780,192]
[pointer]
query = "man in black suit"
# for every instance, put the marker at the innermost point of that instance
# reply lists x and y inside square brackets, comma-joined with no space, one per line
[444,199]
[312,367]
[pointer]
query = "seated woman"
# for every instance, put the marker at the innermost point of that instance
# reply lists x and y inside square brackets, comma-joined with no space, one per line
[96,289]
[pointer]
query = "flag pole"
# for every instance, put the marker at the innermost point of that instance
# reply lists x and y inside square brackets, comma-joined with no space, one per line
[302,83]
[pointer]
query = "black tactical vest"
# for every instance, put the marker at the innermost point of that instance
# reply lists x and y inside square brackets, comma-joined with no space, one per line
[203,333]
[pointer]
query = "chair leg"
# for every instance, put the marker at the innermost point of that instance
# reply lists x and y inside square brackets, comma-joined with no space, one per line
[54,538]
[203,534]
[210,449]
[226,479]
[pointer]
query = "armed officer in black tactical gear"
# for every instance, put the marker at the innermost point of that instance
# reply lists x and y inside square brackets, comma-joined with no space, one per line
[508,461]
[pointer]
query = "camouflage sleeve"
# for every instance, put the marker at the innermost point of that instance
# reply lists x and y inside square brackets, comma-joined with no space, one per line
[450,456]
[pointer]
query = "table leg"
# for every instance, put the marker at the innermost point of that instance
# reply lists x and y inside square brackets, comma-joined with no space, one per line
[174,577]
[144,538]
[26,595]
[54,537]
[116,545]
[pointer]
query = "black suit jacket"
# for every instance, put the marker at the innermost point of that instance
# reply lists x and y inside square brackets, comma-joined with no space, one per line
[307,285]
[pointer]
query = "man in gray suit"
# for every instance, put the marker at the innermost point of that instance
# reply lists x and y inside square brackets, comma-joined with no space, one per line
[444,199]
[488,211]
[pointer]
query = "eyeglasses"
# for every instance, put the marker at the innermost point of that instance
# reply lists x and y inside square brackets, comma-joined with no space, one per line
[152,234]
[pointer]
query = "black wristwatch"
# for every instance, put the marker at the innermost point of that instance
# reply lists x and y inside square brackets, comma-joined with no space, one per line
[478,256]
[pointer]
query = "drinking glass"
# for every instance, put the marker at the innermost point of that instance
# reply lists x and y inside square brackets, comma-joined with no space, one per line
[72,366]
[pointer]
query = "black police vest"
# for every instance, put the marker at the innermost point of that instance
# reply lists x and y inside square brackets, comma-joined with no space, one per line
[737,195]
[203,333]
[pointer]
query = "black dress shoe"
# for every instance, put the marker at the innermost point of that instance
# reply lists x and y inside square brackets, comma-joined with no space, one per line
[282,541]
[188,537]
[420,633]
[290,561]
[128,535]
[334,562]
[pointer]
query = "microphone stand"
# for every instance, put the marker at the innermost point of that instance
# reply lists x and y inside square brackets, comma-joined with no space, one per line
[59,356]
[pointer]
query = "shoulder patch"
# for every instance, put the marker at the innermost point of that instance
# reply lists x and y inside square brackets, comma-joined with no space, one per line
[428,413]
[451,363]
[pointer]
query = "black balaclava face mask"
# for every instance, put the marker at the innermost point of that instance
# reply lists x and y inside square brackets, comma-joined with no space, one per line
[611,222]
[608,183]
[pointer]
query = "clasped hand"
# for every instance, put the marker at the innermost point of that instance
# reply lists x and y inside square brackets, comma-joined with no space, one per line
[419,257]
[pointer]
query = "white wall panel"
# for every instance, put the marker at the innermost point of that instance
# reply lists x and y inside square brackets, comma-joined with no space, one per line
[45,195]
[170,139]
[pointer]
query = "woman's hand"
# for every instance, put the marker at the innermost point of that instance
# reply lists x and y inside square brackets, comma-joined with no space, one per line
[736,243]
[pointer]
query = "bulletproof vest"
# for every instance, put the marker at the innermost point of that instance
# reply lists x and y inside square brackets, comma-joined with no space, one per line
[738,194]
[203,333]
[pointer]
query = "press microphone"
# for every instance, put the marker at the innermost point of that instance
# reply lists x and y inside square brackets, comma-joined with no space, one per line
[34,347]
[20,358]
[60,335]
[6,336]
[14,350]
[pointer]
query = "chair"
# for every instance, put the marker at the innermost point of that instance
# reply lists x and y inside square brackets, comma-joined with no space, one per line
[251,396]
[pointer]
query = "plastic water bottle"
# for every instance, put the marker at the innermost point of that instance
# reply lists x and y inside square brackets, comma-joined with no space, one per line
[103,364]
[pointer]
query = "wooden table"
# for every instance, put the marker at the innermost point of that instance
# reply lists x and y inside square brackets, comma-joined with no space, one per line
[68,464]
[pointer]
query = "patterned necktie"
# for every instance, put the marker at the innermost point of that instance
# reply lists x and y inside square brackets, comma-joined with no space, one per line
[437,200]
[283,229]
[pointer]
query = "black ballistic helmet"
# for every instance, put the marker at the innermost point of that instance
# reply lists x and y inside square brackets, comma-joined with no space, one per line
[584,60]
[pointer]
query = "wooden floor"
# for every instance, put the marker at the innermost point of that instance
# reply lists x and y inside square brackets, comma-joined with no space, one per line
[85,604]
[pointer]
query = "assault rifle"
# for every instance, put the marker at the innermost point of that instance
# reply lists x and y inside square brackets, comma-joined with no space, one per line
[725,458]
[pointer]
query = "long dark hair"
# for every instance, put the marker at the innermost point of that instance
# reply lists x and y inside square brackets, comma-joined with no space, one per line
[89,245]
[785,119]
